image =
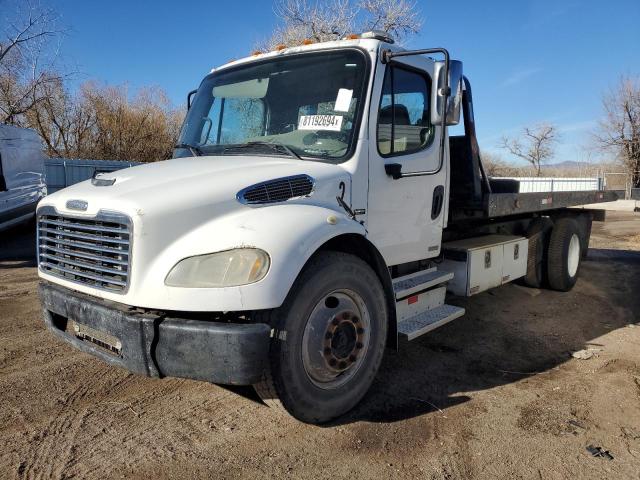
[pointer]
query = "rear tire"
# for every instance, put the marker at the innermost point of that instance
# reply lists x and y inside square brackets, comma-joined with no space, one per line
[538,235]
[328,341]
[585,234]
[564,255]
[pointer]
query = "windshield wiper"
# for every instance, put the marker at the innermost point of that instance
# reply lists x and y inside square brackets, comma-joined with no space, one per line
[195,151]
[275,146]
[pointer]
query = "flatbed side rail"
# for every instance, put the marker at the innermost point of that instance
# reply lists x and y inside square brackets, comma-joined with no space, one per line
[506,204]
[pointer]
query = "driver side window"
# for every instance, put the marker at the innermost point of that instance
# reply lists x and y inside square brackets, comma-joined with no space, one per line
[403,118]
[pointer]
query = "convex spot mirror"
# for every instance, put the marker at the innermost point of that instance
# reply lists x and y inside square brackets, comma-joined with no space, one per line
[454,101]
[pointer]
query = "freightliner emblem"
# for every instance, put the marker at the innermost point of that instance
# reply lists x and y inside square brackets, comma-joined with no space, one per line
[77,205]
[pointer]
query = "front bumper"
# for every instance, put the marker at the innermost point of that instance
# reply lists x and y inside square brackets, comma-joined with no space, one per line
[156,344]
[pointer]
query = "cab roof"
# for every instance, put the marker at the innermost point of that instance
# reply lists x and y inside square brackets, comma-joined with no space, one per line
[369,41]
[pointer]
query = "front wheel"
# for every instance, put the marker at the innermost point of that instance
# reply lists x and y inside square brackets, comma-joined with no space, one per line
[329,338]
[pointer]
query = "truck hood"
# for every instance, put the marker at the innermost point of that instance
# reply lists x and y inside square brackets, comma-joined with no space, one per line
[186,207]
[199,187]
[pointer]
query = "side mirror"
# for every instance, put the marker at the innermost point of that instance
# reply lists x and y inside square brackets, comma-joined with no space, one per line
[454,102]
[189,95]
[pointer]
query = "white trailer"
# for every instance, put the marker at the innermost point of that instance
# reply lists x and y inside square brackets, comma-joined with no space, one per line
[315,212]
[22,177]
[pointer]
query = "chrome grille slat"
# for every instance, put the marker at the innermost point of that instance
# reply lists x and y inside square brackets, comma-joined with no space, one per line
[87,246]
[97,278]
[85,227]
[75,253]
[85,236]
[88,266]
[90,251]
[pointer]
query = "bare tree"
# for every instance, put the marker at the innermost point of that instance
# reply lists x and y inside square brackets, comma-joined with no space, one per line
[28,56]
[494,165]
[536,146]
[106,123]
[619,130]
[327,20]
[64,121]
[320,21]
[399,18]
[143,129]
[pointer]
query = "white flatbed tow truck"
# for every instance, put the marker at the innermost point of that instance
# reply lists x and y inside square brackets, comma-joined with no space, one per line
[316,210]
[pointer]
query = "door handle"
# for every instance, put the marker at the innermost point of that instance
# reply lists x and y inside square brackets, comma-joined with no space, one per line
[438,201]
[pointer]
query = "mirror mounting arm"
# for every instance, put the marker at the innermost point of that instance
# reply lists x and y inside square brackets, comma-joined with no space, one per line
[189,95]
[387,54]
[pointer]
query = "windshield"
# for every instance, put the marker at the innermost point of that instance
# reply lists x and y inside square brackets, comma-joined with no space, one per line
[307,103]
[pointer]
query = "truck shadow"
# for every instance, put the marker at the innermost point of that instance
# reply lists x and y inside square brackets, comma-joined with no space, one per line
[508,334]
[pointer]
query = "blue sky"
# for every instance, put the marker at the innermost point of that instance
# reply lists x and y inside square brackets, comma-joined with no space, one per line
[528,60]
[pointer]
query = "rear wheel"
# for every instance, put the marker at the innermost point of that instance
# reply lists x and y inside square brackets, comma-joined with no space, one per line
[564,255]
[538,235]
[585,234]
[329,339]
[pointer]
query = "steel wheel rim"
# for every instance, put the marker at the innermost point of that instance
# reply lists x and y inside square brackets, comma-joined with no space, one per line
[336,339]
[573,259]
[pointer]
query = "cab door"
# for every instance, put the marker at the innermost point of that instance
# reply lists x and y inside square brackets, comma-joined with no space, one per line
[405,215]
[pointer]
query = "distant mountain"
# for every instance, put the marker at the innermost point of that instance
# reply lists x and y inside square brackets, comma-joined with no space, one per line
[570,164]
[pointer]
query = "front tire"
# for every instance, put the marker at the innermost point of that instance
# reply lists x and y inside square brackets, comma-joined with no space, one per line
[564,255]
[329,338]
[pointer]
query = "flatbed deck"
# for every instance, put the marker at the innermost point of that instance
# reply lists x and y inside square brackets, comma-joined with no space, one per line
[499,205]
[507,204]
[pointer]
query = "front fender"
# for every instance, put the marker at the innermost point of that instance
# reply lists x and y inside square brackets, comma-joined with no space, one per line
[289,233]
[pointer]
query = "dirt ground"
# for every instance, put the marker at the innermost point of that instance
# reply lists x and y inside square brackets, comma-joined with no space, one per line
[495,394]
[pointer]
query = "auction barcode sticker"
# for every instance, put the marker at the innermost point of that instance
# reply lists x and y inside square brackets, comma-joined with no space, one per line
[320,122]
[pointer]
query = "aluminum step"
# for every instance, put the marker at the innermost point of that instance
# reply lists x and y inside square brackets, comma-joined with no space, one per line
[430,320]
[416,282]
[420,302]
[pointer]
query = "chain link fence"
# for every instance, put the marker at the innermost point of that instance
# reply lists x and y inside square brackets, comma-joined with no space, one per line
[619,182]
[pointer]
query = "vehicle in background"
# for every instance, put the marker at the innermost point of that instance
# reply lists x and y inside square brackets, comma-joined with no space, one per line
[22,178]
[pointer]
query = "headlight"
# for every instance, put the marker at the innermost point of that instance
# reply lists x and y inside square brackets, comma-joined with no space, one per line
[240,266]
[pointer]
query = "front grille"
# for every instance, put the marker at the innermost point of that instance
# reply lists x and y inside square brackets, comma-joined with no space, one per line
[277,190]
[94,252]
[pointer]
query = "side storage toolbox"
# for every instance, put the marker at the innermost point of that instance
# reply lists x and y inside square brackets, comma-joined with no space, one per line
[482,263]
[515,259]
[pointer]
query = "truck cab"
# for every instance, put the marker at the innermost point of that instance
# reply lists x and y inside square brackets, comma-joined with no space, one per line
[297,233]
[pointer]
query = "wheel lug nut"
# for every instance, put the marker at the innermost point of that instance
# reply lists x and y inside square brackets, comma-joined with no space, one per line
[359,345]
[355,319]
[332,362]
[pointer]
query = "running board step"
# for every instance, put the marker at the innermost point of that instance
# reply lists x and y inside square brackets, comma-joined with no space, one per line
[430,320]
[415,282]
